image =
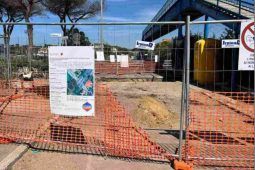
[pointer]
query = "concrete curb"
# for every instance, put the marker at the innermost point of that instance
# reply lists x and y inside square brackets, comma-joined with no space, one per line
[14,156]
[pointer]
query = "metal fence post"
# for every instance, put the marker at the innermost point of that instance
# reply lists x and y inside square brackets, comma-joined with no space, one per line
[187,48]
[182,106]
[187,74]
[185,84]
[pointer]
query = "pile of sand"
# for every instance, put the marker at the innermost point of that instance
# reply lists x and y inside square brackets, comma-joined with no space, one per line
[151,113]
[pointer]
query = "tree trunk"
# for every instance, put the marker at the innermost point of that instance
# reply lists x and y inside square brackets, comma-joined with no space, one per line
[8,57]
[30,42]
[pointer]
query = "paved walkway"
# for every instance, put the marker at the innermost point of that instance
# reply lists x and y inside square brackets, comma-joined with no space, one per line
[6,149]
[54,161]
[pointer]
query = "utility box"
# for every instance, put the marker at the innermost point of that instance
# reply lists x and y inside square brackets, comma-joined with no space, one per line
[205,63]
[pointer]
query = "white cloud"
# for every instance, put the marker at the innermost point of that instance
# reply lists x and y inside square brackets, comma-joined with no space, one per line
[116,19]
[146,14]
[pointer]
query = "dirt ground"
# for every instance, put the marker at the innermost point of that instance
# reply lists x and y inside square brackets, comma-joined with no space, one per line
[59,161]
[151,104]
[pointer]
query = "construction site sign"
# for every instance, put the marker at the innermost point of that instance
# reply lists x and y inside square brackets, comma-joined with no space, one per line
[230,43]
[246,50]
[100,56]
[124,61]
[145,45]
[112,58]
[72,77]
[156,58]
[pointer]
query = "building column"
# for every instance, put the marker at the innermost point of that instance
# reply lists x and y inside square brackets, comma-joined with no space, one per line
[235,56]
[180,34]
[206,28]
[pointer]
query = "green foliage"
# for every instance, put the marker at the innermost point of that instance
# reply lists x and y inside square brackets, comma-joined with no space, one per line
[228,34]
[196,36]
[40,64]
[83,39]
[68,8]
[108,50]
[72,11]
[163,49]
[2,67]
[19,62]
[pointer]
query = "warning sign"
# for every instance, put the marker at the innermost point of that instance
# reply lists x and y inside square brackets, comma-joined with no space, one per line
[246,51]
[72,80]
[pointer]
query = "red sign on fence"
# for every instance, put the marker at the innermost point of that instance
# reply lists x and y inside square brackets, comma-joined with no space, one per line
[246,51]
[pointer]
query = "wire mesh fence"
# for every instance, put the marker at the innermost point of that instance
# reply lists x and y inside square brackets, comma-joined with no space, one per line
[221,130]
[220,127]
[24,96]
[137,115]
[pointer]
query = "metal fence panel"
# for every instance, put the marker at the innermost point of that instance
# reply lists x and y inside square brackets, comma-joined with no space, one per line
[220,118]
[216,109]
[25,114]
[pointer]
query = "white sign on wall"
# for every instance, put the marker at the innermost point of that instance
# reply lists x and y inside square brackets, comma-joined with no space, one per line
[145,45]
[246,50]
[118,58]
[230,43]
[100,56]
[124,61]
[156,58]
[112,58]
[72,80]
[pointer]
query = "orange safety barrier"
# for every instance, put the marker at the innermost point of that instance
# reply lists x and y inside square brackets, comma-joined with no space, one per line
[111,131]
[180,165]
[5,141]
[12,97]
[220,129]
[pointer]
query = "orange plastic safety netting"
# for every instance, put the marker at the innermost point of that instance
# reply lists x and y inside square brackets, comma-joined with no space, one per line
[25,117]
[221,129]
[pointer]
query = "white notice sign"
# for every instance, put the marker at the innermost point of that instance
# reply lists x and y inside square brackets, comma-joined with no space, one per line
[72,80]
[118,58]
[156,58]
[124,61]
[112,58]
[246,50]
[100,56]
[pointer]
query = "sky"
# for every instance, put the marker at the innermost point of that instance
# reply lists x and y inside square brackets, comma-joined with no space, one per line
[115,11]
